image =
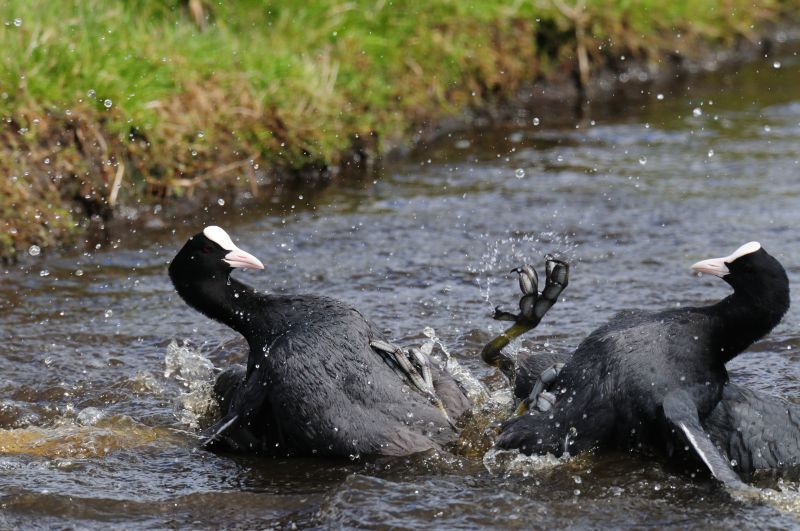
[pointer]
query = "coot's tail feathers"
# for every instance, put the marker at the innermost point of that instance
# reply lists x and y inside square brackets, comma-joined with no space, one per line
[680,413]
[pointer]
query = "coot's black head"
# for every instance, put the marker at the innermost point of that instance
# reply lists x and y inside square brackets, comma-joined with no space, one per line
[210,254]
[752,272]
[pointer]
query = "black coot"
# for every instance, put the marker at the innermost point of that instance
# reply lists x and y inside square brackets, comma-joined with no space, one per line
[652,379]
[755,431]
[320,378]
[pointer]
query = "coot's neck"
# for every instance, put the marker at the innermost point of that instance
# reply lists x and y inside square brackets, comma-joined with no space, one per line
[742,320]
[223,299]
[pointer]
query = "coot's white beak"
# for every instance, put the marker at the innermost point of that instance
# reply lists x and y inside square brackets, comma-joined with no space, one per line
[236,257]
[240,259]
[712,266]
[718,266]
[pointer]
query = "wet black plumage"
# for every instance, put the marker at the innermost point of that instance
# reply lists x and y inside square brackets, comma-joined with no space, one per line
[313,384]
[650,378]
[756,431]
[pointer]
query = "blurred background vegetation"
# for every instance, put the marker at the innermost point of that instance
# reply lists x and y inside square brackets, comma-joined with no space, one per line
[109,103]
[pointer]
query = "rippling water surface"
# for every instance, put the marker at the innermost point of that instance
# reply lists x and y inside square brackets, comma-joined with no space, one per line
[97,425]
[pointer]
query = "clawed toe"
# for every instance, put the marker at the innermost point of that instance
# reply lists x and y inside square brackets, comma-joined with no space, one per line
[418,372]
[501,315]
[557,272]
[540,398]
[533,305]
[528,279]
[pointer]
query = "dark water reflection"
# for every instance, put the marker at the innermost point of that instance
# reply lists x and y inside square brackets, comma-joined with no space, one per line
[89,433]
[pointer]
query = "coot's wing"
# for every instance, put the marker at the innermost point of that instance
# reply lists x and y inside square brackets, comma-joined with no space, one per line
[757,431]
[245,402]
[681,416]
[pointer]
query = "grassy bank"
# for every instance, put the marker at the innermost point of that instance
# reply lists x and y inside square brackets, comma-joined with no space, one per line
[110,103]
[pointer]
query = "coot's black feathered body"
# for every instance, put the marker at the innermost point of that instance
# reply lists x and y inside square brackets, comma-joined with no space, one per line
[756,431]
[313,382]
[650,378]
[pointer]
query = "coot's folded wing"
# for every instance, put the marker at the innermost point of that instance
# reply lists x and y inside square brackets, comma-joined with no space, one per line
[757,431]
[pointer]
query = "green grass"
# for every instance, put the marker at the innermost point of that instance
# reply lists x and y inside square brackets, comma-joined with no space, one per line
[280,83]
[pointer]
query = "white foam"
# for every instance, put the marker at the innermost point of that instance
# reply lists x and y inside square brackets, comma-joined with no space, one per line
[220,237]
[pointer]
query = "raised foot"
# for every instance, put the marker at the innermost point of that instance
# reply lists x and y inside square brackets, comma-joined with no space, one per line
[534,305]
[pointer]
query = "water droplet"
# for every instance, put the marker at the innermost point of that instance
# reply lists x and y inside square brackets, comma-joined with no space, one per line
[18,22]
[44,273]
[659,97]
[697,111]
[710,153]
[107,103]
[79,272]
[221,202]
[776,64]
[642,160]
[536,121]
[520,173]
[91,94]
[34,250]
[108,313]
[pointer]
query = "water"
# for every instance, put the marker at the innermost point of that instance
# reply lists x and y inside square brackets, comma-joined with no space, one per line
[97,421]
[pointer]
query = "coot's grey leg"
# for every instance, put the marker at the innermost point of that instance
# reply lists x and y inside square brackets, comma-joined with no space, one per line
[533,306]
[680,413]
[539,397]
[424,363]
[400,357]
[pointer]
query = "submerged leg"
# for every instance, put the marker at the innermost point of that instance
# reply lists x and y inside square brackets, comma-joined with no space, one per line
[533,306]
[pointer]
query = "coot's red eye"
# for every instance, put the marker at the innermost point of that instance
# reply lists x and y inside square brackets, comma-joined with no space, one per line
[206,249]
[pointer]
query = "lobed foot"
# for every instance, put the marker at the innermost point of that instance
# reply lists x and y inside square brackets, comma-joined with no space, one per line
[532,307]
[416,366]
[540,398]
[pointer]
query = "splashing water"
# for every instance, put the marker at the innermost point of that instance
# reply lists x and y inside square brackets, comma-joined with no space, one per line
[511,462]
[472,387]
[505,254]
[196,373]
